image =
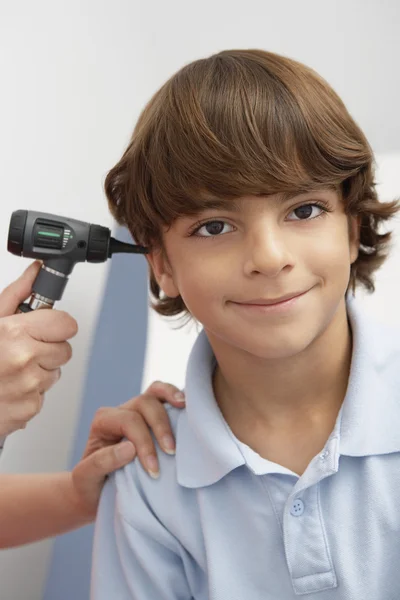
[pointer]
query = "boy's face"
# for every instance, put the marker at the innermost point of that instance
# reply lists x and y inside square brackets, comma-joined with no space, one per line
[229,263]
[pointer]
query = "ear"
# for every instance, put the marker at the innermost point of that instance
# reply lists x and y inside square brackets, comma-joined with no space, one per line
[354,236]
[158,261]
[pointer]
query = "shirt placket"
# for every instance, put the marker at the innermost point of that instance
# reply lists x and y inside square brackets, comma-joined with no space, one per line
[307,550]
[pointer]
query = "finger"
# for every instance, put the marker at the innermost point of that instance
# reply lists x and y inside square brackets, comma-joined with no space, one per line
[112,424]
[107,460]
[166,392]
[49,325]
[157,419]
[90,473]
[35,381]
[12,296]
[49,379]
[21,413]
[137,431]
[53,355]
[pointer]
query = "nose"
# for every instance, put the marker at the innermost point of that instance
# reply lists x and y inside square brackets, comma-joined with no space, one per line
[267,251]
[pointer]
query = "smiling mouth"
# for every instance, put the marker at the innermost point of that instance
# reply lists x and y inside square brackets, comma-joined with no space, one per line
[272,301]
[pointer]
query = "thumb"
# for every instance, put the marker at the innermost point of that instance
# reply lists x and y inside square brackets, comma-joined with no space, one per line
[19,290]
[90,473]
[108,459]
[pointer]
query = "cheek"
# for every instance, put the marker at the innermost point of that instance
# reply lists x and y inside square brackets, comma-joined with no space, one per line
[330,257]
[202,276]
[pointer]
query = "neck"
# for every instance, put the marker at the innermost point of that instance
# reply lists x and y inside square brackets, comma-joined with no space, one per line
[300,392]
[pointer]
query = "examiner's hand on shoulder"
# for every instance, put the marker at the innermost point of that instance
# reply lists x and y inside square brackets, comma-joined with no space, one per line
[33,347]
[105,452]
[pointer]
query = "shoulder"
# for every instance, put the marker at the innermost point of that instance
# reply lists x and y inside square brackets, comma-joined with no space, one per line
[140,497]
[382,358]
[375,340]
[385,346]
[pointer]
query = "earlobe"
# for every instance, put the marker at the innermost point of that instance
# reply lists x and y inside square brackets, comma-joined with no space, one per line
[163,273]
[355,225]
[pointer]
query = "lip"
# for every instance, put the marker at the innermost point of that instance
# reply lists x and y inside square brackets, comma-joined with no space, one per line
[272,301]
[272,305]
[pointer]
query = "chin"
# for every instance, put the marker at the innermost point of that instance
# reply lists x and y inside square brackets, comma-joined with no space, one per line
[276,347]
[278,351]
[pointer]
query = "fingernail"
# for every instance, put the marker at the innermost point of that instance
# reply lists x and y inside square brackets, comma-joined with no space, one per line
[179,397]
[125,450]
[152,466]
[168,444]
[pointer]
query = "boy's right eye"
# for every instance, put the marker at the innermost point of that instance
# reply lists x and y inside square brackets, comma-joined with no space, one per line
[212,229]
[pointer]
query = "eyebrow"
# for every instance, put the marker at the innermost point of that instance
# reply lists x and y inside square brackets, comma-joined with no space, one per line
[213,202]
[234,205]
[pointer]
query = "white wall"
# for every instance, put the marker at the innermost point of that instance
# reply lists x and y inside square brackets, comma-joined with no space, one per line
[74,75]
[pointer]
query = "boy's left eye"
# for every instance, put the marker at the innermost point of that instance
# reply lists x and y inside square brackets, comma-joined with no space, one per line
[212,229]
[306,212]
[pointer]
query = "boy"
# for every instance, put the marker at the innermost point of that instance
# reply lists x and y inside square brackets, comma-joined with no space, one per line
[254,189]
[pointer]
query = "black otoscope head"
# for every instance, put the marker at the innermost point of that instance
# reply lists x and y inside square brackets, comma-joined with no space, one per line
[60,242]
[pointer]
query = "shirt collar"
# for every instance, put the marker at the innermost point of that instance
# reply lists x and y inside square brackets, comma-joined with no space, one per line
[205,448]
[367,424]
[369,420]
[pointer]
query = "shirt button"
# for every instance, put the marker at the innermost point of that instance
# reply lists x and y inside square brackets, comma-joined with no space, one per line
[297,508]
[324,454]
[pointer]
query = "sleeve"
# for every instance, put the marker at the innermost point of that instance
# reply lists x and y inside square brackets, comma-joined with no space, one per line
[134,556]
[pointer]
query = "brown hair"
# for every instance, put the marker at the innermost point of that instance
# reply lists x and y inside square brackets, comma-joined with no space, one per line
[244,122]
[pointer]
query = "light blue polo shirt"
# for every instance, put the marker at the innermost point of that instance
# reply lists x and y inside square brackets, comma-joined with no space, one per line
[222,523]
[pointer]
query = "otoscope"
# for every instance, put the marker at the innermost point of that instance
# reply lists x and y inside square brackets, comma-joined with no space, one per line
[60,242]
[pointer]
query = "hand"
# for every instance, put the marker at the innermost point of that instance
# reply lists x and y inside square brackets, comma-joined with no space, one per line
[33,347]
[106,453]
